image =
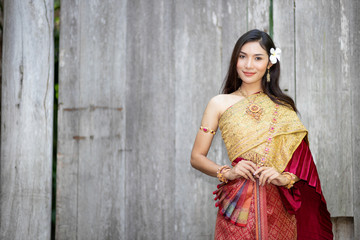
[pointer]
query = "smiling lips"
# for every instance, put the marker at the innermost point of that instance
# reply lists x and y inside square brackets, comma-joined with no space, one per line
[248,74]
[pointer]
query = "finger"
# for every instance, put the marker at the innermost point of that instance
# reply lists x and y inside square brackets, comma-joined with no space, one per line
[266,170]
[249,168]
[260,170]
[244,167]
[248,164]
[257,173]
[252,165]
[243,174]
[264,179]
[272,177]
[261,179]
[249,175]
[270,174]
[264,176]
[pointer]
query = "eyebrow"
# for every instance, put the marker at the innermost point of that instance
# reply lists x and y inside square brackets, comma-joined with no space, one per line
[258,54]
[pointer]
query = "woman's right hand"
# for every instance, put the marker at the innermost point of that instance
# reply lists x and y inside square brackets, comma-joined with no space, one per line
[243,169]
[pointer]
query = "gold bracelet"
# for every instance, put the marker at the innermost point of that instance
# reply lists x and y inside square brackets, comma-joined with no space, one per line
[291,178]
[220,175]
[207,130]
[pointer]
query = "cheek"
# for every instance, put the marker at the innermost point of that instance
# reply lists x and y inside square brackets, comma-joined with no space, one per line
[238,64]
[262,67]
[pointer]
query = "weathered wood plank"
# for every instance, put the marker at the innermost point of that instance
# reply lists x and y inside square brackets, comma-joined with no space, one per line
[67,164]
[234,24]
[26,120]
[91,145]
[162,62]
[150,120]
[323,94]
[352,12]
[284,38]
[198,48]
[258,15]
[343,228]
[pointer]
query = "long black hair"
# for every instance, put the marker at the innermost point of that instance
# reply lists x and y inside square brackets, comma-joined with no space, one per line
[232,82]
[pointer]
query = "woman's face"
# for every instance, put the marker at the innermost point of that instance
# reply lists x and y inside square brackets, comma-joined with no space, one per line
[252,63]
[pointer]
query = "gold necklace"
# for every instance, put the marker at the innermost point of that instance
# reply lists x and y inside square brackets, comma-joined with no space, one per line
[253,109]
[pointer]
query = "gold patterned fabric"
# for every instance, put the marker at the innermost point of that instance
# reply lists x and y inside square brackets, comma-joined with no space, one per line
[273,135]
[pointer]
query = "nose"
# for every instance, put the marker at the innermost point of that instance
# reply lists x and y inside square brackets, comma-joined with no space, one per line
[248,63]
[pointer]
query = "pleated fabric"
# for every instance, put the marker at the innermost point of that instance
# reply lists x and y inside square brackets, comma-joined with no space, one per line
[305,199]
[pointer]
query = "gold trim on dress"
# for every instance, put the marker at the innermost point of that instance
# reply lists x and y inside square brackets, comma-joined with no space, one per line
[242,133]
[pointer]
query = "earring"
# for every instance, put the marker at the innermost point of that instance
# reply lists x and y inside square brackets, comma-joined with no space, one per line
[268,76]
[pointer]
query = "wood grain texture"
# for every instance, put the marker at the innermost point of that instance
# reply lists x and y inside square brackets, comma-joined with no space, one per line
[135,79]
[91,146]
[150,120]
[198,48]
[26,120]
[352,11]
[343,228]
[284,38]
[234,24]
[258,15]
[67,164]
[323,94]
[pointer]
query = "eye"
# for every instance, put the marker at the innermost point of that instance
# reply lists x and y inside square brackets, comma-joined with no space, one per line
[241,56]
[258,58]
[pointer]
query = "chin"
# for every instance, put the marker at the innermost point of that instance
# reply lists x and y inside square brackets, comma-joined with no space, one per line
[250,81]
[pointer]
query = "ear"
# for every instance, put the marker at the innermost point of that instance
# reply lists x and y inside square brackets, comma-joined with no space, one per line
[269,65]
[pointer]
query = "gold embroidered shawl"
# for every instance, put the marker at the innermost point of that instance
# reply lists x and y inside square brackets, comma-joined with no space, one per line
[246,137]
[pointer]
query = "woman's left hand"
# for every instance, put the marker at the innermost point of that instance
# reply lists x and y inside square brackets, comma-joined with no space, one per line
[270,175]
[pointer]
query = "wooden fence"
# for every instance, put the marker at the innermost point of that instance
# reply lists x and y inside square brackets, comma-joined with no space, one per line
[26,120]
[135,77]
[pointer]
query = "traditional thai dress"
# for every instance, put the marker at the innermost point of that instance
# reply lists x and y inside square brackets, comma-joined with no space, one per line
[268,134]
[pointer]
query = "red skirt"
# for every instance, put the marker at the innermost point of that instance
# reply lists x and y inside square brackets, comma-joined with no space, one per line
[280,224]
[298,213]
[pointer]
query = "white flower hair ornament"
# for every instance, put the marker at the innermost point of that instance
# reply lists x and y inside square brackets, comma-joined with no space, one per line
[275,55]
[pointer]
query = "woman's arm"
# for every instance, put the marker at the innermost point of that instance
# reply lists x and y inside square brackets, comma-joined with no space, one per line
[202,145]
[203,139]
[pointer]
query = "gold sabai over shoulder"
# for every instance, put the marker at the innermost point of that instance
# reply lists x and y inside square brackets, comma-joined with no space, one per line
[259,138]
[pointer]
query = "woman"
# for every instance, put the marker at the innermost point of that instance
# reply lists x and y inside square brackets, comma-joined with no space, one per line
[272,190]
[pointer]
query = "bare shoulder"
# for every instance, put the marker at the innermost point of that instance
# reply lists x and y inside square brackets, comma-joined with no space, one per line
[221,102]
[218,102]
[218,99]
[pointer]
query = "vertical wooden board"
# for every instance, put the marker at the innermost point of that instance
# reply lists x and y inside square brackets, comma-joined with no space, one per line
[150,120]
[68,123]
[352,10]
[258,15]
[233,24]
[102,160]
[26,120]
[198,45]
[284,38]
[343,228]
[91,168]
[323,97]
